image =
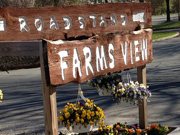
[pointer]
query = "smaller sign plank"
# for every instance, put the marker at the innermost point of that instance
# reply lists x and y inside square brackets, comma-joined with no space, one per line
[20,48]
[71,21]
[79,61]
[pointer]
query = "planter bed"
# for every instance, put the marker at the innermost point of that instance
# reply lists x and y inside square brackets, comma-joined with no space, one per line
[96,132]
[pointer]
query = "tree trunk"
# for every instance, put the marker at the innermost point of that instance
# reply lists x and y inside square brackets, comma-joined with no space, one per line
[168,11]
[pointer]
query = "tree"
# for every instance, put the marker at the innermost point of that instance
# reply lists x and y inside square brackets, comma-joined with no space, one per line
[168,10]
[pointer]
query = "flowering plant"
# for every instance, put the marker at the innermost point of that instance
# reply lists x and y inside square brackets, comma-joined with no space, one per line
[124,129]
[105,84]
[1,95]
[157,129]
[120,91]
[81,113]
[120,129]
[132,91]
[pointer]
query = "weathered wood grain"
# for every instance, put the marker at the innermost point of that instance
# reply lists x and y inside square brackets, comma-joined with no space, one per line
[9,17]
[49,98]
[142,103]
[122,60]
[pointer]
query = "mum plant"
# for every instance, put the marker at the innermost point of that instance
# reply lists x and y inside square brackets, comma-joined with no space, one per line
[120,91]
[86,113]
[105,84]
[130,92]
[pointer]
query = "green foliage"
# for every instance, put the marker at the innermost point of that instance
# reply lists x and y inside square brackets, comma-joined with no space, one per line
[157,129]
[167,25]
[159,6]
[161,35]
[175,6]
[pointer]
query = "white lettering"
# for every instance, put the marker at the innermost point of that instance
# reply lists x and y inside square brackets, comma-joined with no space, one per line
[87,54]
[144,49]
[82,22]
[23,24]
[110,51]
[38,24]
[76,64]
[131,52]
[102,22]
[113,19]
[100,59]
[123,20]
[2,25]
[124,51]
[93,20]
[67,23]
[53,23]
[136,43]
[63,64]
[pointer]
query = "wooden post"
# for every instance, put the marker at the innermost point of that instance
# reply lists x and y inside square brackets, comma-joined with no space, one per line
[49,95]
[141,77]
[178,10]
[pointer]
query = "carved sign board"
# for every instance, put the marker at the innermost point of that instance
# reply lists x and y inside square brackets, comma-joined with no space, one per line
[79,61]
[71,21]
[20,48]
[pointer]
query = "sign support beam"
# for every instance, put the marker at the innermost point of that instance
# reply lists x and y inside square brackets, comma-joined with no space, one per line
[141,77]
[49,96]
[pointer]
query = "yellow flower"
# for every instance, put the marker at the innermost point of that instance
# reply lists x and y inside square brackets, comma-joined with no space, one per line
[82,121]
[61,118]
[65,110]
[84,112]
[109,127]
[88,117]
[88,100]
[67,115]
[86,104]
[83,115]
[122,90]
[97,113]
[101,123]
[88,112]
[91,123]
[92,114]
[77,115]
[77,120]
[100,129]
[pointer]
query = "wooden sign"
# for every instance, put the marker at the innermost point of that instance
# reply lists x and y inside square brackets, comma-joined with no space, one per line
[78,61]
[72,21]
[20,48]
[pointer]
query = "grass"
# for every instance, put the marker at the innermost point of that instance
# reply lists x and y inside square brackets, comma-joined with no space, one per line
[167,25]
[160,35]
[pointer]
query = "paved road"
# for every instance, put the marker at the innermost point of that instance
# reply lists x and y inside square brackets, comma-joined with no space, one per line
[162,18]
[22,110]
